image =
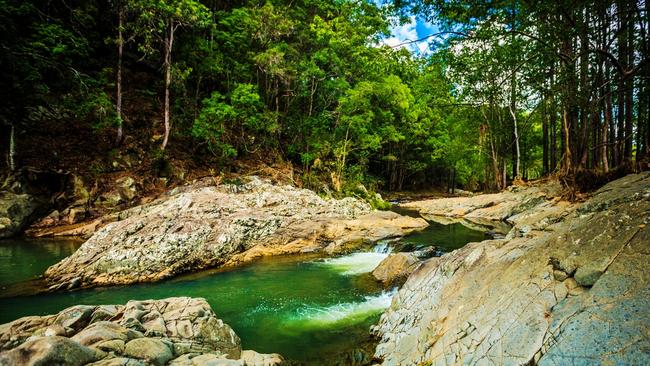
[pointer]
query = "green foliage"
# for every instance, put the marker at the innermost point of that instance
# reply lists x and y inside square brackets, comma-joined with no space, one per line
[300,81]
[232,125]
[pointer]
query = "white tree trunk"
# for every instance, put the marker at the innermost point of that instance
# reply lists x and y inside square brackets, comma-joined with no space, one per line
[12,149]
[168,80]
[517,152]
[118,92]
[513,112]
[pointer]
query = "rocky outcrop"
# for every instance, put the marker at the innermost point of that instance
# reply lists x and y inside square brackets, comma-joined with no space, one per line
[16,211]
[498,210]
[203,226]
[24,196]
[572,288]
[174,331]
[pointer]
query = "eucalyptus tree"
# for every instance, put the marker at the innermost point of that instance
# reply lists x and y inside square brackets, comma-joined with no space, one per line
[582,63]
[157,22]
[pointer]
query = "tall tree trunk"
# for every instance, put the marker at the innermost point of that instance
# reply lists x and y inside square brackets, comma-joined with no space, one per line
[12,148]
[582,146]
[453,180]
[495,166]
[118,92]
[621,138]
[629,88]
[169,43]
[553,122]
[545,136]
[606,126]
[566,158]
[513,113]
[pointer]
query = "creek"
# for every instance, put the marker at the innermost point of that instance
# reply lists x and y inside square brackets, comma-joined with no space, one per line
[309,309]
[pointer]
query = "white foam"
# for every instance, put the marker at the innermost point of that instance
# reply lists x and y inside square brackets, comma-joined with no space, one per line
[355,263]
[383,247]
[346,312]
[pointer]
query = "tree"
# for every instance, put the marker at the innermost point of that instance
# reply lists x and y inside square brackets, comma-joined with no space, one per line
[158,21]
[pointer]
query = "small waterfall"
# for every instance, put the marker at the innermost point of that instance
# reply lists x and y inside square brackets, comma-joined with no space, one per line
[383,247]
[350,312]
[360,262]
[355,263]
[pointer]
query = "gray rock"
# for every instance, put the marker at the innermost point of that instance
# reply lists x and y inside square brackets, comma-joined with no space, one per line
[151,350]
[99,332]
[49,351]
[252,358]
[114,345]
[395,268]
[504,302]
[118,361]
[200,226]
[127,188]
[16,211]
[173,327]
[76,317]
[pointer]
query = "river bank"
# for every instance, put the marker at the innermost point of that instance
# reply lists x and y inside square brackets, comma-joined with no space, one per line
[322,317]
[542,292]
[567,285]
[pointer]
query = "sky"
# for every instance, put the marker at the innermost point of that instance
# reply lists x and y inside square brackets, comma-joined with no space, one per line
[416,28]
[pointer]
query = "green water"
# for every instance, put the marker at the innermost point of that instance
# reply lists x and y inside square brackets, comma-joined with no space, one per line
[444,237]
[305,308]
[25,259]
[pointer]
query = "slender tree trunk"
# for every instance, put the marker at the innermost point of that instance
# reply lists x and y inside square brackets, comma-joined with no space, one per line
[513,113]
[553,123]
[622,55]
[495,166]
[12,148]
[453,180]
[629,89]
[545,136]
[504,182]
[582,146]
[567,159]
[118,92]
[168,80]
[606,125]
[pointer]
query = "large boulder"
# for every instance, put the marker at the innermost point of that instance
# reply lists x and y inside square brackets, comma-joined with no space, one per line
[50,351]
[16,211]
[395,268]
[201,226]
[152,332]
[574,292]
[151,350]
[252,358]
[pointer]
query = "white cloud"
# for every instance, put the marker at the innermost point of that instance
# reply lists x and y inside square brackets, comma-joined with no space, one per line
[401,34]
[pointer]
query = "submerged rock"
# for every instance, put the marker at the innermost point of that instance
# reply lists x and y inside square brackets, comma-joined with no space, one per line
[200,226]
[174,331]
[574,289]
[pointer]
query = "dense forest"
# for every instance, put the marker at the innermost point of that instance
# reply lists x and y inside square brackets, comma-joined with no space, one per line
[508,89]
